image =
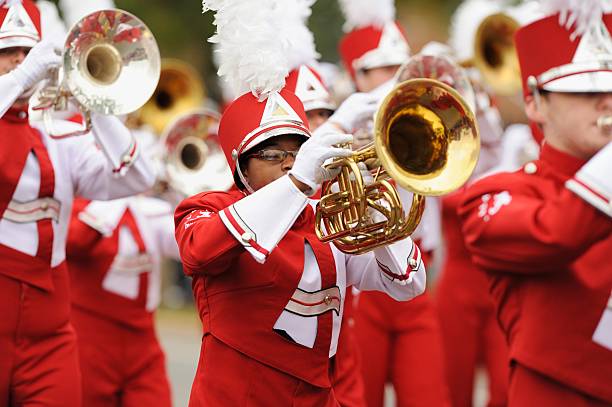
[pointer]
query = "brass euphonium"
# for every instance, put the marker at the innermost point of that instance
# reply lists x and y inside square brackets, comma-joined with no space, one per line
[111,66]
[426,140]
[495,54]
[179,91]
[192,157]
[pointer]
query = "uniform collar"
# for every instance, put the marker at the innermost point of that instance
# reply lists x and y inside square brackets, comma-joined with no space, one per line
[564,163]
[17,115]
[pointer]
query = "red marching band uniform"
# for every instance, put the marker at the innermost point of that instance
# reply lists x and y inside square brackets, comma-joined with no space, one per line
[39,178]
[397,340]
[114,254]
[269,294]
[543,233]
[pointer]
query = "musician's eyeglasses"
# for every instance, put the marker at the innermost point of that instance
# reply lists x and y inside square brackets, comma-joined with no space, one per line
[273,155]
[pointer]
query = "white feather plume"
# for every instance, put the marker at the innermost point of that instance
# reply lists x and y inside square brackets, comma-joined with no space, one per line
[300,39]
[253,45]
[464,24]
[362,13]
[526,12]
[580,14]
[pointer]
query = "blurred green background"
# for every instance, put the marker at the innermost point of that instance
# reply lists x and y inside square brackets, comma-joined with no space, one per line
[181,29]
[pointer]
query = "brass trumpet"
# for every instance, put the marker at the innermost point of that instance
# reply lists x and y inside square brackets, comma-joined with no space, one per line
[111,66]
[426,140]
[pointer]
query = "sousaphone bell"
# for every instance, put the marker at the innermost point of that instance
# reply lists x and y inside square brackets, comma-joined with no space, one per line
[111,66]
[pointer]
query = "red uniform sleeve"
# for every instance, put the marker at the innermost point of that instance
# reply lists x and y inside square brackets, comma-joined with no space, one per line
[520,223]
[206,246]
[81,237]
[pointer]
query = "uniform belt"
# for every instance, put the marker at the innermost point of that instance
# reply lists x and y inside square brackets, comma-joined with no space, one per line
[314,303]
[136,264]
[33,211]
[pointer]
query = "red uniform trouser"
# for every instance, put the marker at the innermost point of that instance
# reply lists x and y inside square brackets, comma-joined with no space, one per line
[471,335]
[38,355]
[121,365]
[226,377]
[400,342]
[347,380]
[529,388]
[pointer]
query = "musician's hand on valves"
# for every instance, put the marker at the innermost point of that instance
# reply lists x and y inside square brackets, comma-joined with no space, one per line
[356,108]
[36,65]
[368,179]
[308,172]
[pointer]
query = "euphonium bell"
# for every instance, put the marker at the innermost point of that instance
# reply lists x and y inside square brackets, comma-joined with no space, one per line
[193,159]
[495,53]
[179,91]
[111,66]
[426,140]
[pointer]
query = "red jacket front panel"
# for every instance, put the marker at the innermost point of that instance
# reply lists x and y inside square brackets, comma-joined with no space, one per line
[125,299]
[239,300]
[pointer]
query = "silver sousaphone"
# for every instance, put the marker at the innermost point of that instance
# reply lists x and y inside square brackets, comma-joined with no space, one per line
[111,66]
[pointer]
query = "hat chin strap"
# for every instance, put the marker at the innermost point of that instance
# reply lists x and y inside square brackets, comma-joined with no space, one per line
[243,179]
[532,83]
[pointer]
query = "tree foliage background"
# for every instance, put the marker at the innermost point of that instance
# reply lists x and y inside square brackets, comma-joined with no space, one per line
[181,29]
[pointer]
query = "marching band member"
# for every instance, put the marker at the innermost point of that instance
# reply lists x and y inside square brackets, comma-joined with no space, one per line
[307,84]
[269,293]
[114,255]
[40,176]
[392,345]
[470,333]
[545,249]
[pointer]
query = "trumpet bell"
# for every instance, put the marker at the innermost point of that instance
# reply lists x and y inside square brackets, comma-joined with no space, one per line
[193,159]
[495,54]
[426,140]
[426,137]
[111,62]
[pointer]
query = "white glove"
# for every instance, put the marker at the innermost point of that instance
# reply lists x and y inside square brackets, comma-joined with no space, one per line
[357,107]
[35,67]
[593,182]
[308,166]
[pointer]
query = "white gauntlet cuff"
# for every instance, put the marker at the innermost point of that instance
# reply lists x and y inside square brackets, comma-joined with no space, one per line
[593,182]
[260,220]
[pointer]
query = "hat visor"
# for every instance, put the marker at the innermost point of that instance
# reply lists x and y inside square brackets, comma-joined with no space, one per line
[594,81]
[319,104]
[379,58]
[18,41]
[279,129]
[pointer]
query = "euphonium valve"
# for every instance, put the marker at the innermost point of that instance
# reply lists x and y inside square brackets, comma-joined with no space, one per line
[426,141]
